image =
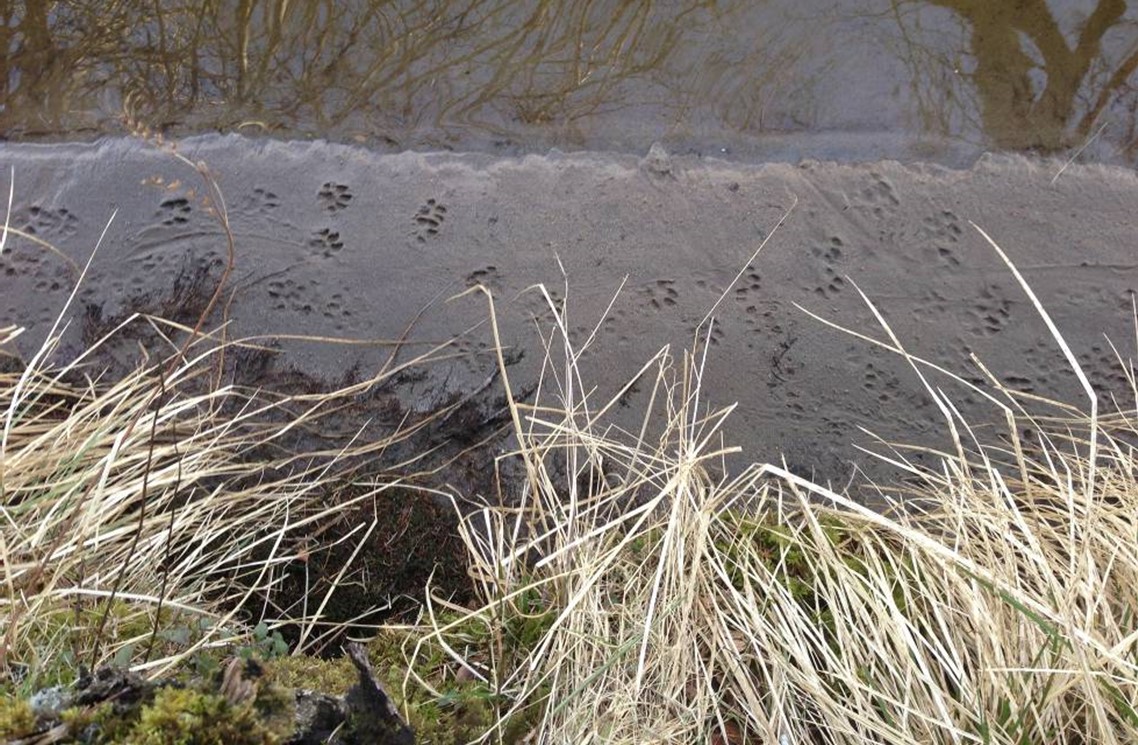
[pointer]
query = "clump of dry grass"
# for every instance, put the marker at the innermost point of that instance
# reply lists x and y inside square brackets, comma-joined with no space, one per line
[126,502]
[144,519]
[681,606]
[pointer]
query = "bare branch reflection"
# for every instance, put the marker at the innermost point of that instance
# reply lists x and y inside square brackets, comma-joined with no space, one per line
[379,70]
[1024,75]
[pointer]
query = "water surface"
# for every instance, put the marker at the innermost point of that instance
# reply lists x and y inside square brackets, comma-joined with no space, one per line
[774,79]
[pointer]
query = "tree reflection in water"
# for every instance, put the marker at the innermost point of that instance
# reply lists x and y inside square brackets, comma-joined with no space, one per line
[487,74]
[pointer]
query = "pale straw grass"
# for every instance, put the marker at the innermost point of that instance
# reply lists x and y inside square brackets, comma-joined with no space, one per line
[142,520]
[685,606]
[116,498]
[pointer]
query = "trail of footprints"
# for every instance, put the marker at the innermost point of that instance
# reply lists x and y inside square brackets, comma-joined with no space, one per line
[830,254]
[48,223]
[758,313]
[943,230]
[22,259]
[1105,370]
[1046,373]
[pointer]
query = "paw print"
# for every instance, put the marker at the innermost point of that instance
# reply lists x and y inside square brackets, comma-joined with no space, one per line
[289,295]
[175,211]
[991,313]
[831,254]
[749,285]
[264,200]
[326,242]
[334,197]
[487,275]
[660,294]
[50,222]
[429,220]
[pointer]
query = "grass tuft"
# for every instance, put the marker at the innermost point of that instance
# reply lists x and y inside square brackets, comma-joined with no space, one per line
[659,600]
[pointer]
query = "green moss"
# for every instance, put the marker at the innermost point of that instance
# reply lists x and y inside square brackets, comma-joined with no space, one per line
[459,707]
[259,712]
[528,619]
[464,707]
[787,553]
[184,716]
[333,677]
[16,719]
[463,710]
[106,722]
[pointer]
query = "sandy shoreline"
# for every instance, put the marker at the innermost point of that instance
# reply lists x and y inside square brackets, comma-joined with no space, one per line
[338,241]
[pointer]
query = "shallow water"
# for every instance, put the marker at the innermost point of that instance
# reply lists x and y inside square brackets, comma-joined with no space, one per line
[938,80]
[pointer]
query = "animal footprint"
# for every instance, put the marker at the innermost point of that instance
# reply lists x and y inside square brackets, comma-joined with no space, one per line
[47,284]
[262,201]
[538,307]
[175,211]
[661,294]
[879,196]
[485,276]
[831,288]
[830,253]
[334,310]
[931,307]
[289,295]
[947,256]
[334,197]
[991,314]
[1019,383]
[884,384]
[429,219]
[44,221]
[1105,370]
[715,338]
[944,230]
[748,284]
[943,226]
[326,242]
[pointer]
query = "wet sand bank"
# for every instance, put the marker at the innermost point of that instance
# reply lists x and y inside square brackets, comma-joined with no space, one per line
[339,241]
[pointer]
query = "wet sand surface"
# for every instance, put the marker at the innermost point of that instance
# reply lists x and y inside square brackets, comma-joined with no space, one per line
[339,241]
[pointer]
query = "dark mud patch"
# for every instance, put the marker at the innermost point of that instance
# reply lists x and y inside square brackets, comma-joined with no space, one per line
[185,302]
[410,542]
